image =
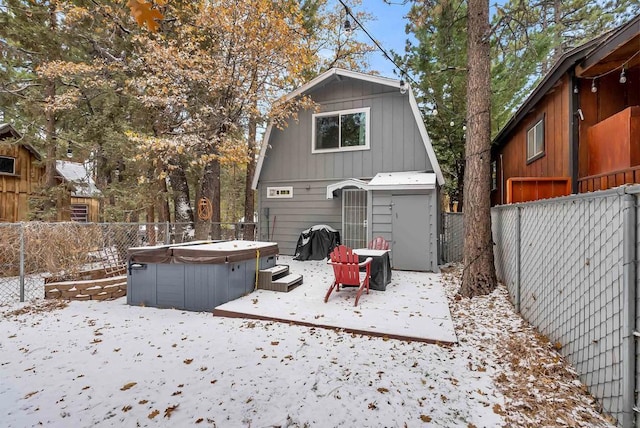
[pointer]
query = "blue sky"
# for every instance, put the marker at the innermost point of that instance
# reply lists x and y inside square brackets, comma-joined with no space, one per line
[388,28]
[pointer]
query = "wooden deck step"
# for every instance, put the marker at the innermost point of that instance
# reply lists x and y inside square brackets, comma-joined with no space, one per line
[287,283]
[266,276]
[278,271]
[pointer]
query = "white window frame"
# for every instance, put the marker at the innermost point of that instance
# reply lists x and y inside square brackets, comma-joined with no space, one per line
[534,152]
[281,192]
[339,113]
[14,165]
[494,175]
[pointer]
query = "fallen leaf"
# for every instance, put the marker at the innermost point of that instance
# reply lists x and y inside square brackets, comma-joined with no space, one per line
[188,361]
[128,386]
[153,414]
[382,390]
[169,410]
[143,401]
[425,418]
[199,420]
[176,393]
[275,343]
[126,408]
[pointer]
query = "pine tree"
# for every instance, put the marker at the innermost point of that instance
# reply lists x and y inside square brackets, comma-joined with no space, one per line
[438,60]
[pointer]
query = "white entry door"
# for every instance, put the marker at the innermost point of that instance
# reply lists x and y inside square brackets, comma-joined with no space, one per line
[354,218]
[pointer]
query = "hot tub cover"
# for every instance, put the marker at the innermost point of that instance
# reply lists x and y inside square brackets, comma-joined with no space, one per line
[317,242]
[210,252]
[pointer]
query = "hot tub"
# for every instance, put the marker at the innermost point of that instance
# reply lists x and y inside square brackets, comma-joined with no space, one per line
[195,276]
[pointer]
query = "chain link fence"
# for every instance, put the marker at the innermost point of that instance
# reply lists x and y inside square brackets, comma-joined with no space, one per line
[453,239]
[34,252]
[563,263]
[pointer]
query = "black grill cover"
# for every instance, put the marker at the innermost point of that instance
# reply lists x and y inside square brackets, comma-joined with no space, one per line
[316,243]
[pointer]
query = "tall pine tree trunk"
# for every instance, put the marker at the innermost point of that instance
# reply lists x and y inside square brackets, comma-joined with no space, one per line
[249,197]
[51,143]
[479,275]
[50,202]
[210,189]
[183,213]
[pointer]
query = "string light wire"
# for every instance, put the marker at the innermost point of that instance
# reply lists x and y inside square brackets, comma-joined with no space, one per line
[402,71]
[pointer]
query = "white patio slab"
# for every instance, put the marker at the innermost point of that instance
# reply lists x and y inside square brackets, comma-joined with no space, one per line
[413,307]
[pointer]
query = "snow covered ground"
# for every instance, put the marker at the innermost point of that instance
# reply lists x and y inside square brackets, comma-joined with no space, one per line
[414,305]
[109,364]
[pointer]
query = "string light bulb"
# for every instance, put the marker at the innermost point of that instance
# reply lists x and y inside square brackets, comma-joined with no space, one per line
[452,123]
[434,112]
[575,89]
[403,87]
[623,77]
[348,28]
[69,152]
[594,88]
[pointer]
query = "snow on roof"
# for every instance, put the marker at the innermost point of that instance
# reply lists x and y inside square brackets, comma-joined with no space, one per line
[403,179]
[80,176]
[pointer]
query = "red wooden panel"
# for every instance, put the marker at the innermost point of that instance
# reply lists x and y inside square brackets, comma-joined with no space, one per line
[523,189]
[609,143]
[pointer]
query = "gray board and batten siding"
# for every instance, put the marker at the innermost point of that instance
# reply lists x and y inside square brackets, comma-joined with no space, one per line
[396,144]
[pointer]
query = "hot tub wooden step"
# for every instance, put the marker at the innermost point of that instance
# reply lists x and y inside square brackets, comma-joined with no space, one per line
[287,283]
[278,271]
[266,276]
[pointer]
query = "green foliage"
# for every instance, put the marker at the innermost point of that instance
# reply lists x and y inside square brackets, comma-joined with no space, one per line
[527,38]
[439,62]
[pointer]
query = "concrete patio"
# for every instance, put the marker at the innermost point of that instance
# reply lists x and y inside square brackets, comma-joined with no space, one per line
[413,306]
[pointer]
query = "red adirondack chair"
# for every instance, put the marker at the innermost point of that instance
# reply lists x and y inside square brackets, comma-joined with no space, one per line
[378,243]
[346,270]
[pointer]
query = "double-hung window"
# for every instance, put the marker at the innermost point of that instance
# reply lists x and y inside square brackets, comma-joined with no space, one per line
[343,130]
[535,141]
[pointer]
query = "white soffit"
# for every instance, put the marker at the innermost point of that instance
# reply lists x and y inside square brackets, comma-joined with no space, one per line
[405,180]
[351,182]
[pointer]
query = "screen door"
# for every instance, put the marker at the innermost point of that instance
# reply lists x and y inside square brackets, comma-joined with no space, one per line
[354,218]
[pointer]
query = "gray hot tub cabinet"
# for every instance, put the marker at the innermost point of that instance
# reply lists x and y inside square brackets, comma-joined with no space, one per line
[195,277]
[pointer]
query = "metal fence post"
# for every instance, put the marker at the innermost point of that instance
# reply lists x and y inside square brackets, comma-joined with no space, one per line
[21,262]
[628,309]
[167,234]
[518,257]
